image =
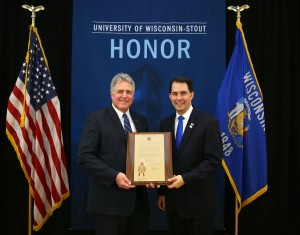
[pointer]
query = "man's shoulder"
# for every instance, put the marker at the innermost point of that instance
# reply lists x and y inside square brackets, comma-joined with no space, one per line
[101,112]
[168,118]
[202,116]
[135,114]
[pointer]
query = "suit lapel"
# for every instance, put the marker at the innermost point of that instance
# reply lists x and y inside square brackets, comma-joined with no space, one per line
[116,122]
[190,127]
[136,121]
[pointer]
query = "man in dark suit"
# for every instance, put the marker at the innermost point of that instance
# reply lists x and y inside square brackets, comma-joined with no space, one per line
[189,199]
[119,207]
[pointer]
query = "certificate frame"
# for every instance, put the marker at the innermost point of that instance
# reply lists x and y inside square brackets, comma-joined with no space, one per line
[142,167]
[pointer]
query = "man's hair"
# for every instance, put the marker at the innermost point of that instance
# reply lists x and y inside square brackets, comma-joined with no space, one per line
[186,80]
[121,77]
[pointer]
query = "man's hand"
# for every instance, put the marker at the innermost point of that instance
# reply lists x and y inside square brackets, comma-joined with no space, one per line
[123,182]
[176,181]
[161,202]
[151,185]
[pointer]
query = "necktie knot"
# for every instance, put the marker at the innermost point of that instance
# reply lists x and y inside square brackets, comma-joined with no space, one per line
[179,131]
[127,127]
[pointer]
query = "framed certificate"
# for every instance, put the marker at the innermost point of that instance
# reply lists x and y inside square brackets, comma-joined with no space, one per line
[149,158]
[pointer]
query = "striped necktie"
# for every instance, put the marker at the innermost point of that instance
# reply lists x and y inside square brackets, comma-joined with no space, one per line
[127,126]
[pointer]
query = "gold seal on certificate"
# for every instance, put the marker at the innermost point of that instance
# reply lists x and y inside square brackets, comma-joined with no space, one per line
[149,157]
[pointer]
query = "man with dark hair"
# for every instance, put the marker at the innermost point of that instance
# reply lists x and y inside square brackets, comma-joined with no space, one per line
[197,154]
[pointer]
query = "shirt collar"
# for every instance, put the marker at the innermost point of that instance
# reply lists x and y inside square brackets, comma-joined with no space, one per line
[186,115]
[120,113]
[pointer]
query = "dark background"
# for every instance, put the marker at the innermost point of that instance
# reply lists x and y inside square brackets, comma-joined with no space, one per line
[271,29]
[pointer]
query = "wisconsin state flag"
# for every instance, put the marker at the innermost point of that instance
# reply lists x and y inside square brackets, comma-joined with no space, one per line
[240,111]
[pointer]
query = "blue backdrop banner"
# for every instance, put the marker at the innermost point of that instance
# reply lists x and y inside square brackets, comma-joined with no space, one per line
[153,41]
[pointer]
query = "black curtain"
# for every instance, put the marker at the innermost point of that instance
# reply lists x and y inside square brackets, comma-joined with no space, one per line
[271,29]
[272,34]
[54,26]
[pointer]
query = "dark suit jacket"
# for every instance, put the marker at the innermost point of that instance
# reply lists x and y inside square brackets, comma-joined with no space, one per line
[197,159]
[102,153]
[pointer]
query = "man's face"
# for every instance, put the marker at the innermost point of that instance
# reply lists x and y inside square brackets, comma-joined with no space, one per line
[122,96]
[181,97]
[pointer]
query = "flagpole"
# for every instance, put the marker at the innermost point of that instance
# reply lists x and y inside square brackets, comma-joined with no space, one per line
[238,11]
[236,227]
[22,121]
[33,10]
[29,212]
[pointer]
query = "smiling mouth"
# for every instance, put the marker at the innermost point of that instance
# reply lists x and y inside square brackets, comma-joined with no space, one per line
[122,102]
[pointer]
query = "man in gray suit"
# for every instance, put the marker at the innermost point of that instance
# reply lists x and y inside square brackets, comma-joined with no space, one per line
[189,199]
[119,207]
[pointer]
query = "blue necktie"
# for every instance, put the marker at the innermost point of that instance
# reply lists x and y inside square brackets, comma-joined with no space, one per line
[179,131]
[127,126]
